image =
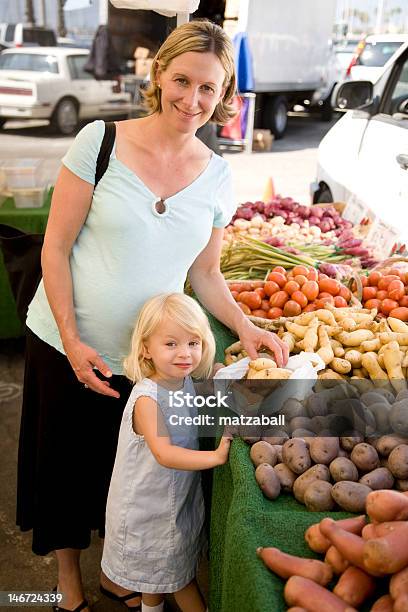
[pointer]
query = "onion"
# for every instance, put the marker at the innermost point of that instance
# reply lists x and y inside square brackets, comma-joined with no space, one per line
[317,212]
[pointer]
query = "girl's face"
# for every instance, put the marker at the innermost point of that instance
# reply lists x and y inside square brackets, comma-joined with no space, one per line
[191,87]
[175,352]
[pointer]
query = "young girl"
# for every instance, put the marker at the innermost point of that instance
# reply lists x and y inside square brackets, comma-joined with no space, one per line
[155,510]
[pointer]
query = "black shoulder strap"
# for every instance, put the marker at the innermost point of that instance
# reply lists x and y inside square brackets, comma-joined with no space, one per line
[105,151]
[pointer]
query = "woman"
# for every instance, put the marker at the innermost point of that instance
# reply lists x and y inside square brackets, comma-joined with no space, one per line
[157,214]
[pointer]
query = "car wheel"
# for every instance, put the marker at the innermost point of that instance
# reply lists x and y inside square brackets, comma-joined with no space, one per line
[65,117]
[326,109]
[2,122]
[324,196]
[276,115]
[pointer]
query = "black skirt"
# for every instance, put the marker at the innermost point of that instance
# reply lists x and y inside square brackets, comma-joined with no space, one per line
[67,448]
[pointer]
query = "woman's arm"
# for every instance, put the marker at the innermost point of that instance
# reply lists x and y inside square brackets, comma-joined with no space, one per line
[70,206]
[146,420]
[211,289]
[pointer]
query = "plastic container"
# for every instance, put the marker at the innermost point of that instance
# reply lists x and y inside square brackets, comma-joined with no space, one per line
[24,173]
[28,198]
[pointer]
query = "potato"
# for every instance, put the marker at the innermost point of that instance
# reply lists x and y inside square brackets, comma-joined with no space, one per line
[398,461]
[292,408]
[305,434]
[402,485]
[372,397]
[350,441]
[278,449]
[350,496]
[386,444]
[279,436]
[324,450]
[399,417]
[286,476]
[296,455]
[402,395]
[316,405]
[389,396]
[317,472]
[343,453]
[365,457]
[318,497]
[381,411]
[343,469]
[262,452]
[380,478]
[300,422]
[267,480]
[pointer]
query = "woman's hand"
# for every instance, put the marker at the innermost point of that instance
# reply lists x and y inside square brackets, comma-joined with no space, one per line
[223,449]
[254,338]
[84,360]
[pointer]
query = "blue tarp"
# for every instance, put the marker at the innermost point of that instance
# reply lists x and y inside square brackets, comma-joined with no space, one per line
[243,63]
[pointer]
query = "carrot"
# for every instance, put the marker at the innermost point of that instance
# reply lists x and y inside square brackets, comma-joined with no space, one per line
[384,604]
[318,543]
[288,565]
[399,583]
[386,505]
[354,586]
[387,554]
[338,563]
[310,595]
[382,529]
[349,545]
[401,603]
[369,532]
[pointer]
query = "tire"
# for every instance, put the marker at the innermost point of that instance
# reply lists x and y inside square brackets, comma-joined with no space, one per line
[324,196]
[3,121]
[65,117]
[276,115]
[326,110]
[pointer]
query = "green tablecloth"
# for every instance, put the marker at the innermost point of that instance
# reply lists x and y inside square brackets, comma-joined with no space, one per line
[31,220]
[243,519]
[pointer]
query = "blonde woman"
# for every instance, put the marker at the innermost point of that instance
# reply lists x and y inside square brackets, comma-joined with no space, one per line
[156,215]
[155,510]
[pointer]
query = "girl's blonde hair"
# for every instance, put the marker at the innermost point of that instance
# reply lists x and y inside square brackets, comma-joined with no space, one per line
[202,37]
[183,310]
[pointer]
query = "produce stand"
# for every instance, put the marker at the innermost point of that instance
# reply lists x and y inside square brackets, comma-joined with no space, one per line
[243,519]
[30,220]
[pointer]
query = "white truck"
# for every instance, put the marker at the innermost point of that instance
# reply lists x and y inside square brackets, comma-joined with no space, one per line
[289,41]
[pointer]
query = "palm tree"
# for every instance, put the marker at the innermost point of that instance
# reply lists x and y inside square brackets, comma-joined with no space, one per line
[62,31]
[29,12]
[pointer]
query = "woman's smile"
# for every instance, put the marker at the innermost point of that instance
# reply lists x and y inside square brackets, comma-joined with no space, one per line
[186,115]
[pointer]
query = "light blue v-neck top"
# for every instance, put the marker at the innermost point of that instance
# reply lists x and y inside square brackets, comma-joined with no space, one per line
[126,252]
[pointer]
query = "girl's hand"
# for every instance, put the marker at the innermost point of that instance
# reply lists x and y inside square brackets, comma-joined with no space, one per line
[84,360]
[223,449]
[254,338]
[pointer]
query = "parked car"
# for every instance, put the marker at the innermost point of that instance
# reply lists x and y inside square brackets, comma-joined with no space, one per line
[364,156]
[372,53]
[22,35]
[50,83]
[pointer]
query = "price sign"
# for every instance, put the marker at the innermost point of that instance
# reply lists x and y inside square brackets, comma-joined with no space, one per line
[382,238]
[355,210]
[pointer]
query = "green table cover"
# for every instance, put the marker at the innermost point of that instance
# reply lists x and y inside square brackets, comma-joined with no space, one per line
[30,220]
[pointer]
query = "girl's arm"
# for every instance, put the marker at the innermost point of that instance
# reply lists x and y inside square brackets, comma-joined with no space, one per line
[211,289]
[70,206]
[146,421]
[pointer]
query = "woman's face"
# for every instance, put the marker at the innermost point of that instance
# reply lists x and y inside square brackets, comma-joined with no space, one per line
[191,87]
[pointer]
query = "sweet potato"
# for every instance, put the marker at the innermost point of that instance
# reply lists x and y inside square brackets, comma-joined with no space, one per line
[369,532]
[318,543]
[338,563]
[349,545]
[388,554]
[351,496]
[310,595]
[401,603]
[296,455]
[296,609]
[262,452]
[384,604]
[385,505]
[285,565]
[399,583]
[382,529]
[354,586]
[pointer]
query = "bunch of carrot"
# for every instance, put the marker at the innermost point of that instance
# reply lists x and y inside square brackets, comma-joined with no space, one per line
[358,553]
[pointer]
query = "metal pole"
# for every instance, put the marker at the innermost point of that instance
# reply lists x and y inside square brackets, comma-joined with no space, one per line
[43,13]
[380,10]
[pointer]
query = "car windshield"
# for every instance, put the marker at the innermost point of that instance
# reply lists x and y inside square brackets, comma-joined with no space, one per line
[377,54]
[29,61]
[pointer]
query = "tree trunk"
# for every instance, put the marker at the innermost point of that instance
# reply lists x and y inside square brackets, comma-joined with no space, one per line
[62,31]
[29,12]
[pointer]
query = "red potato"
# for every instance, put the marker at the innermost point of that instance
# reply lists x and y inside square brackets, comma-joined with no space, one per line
[333,558]
[354,586]
[399,584]
[285,565]
[310,595]
[387,554]
[384,604]
[318,543]
[385,505]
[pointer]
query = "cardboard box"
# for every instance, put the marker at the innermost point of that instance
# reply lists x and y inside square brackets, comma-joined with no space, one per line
[141,53]
[262,140]
[142,66]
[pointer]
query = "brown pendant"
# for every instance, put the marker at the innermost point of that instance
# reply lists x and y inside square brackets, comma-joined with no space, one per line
[160,207]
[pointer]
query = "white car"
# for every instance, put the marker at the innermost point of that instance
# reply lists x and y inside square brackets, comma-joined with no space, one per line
[364,157]
[50,83]
[372,54]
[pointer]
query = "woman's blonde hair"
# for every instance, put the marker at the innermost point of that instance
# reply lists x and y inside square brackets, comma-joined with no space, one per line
[183,310]
[200,36]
